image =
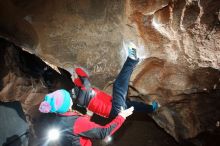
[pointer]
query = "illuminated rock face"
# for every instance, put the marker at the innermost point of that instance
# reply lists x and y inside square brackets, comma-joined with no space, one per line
[64,33]
[189,98]
[183,37]
[179,43]
[181,32]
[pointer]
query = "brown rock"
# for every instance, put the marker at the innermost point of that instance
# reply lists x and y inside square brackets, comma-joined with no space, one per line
[180,40]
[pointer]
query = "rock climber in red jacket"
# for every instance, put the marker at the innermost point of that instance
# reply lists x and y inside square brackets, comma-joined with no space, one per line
[103,104]
[77,128]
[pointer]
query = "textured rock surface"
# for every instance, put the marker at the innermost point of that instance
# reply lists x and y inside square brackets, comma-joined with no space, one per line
[83,33]
[189,98]
[183,38]
[179,38]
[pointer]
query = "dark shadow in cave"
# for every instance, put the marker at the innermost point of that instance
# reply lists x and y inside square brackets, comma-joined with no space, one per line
[36,68]
[32,66]
[13,127]
[3,72]
[17,140]
[16,106]
[209,115]
[13,140]
[138,129]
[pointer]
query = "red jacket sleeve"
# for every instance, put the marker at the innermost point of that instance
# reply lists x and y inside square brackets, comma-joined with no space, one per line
[84,127]
[81,73]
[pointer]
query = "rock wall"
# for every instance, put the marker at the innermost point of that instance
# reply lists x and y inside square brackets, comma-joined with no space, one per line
[181,32]
[182,40]
[70,33]
[178,43]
